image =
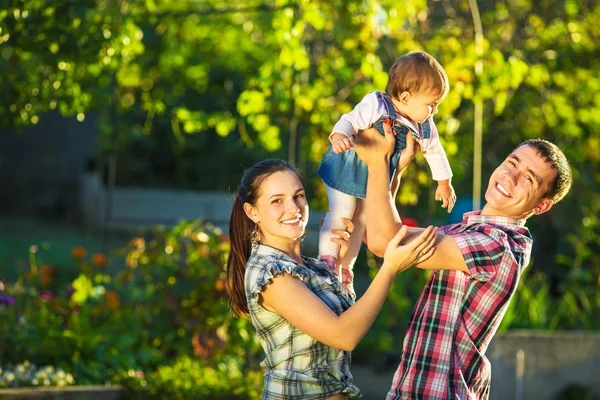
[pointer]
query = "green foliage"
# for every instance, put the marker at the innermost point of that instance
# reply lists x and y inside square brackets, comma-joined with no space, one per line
[181,281]
[169,301]
[189,378]
[201,79]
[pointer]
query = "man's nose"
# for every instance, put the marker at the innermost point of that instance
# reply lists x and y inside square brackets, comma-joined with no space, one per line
[512,176]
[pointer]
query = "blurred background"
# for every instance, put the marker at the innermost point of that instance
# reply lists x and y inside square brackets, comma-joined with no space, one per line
[125,126]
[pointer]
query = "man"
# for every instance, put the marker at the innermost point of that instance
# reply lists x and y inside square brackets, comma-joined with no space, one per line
[477,266]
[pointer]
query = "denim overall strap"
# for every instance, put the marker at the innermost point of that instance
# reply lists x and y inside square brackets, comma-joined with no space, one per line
[346,173]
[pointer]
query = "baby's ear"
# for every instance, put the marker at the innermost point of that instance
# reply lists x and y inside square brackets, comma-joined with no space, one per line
[404,97]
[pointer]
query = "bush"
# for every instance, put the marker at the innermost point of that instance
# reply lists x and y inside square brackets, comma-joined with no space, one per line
[190,378]
[168,302]
[27,374]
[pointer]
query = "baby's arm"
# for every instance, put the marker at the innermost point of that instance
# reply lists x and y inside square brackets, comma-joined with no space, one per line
[361,117]
[440,170]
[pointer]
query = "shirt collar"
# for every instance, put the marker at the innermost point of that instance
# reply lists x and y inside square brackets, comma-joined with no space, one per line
[264,250]
[475,217]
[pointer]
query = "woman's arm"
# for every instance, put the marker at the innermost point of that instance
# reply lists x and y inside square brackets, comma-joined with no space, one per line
[289,297]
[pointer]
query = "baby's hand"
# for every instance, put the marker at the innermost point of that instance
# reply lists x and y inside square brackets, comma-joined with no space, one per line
[445,194]
[341,143]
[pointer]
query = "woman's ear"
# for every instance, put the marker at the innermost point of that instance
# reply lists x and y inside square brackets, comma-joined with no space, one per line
[251,212]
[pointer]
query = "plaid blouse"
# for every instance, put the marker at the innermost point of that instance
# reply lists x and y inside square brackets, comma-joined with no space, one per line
[298,366]
[458,314]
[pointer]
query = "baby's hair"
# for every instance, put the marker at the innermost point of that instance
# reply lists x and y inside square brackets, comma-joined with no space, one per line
[417,72]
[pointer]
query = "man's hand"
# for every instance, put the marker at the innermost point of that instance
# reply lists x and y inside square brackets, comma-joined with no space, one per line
[340,143]
[372,147]
[445,193]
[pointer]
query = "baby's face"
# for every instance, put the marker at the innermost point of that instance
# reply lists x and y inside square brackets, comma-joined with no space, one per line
[422,106]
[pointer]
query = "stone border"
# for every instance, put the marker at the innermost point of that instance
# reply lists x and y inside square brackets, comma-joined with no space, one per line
[65,393]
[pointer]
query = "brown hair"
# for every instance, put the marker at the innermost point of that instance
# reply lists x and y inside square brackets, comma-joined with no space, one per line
[240,228]
[561,184]
[417,72]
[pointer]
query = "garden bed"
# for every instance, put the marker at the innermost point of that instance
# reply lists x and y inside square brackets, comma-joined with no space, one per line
[66,393]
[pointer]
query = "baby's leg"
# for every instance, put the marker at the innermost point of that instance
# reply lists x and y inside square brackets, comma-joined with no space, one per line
[341,205]
[356,240]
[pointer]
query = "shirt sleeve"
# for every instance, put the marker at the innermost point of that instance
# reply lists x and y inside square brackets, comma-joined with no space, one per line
[483,249]
[261,274]
[436,156]
[365,114]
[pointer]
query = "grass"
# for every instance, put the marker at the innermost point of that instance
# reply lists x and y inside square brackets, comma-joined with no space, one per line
[54,240]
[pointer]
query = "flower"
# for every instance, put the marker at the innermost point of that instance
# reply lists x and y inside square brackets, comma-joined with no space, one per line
[70,290]
[205,344]
[47,274]
[410,222]
[99,260]
[220,284]
[46,295]
[112,300]
[8,300]
[79,252]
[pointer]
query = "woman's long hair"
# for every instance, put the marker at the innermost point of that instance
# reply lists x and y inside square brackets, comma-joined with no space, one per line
[240,229]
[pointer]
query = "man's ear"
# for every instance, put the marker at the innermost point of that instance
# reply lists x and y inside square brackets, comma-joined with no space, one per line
[251,212]
[543,207]
[404,97]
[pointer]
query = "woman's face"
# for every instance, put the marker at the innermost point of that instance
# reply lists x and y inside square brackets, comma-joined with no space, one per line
[281,210]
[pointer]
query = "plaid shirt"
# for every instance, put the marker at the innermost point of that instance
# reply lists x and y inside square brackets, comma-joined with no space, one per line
[458,314]
[298,366]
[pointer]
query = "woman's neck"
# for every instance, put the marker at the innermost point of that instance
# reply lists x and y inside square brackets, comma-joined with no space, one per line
[290,248]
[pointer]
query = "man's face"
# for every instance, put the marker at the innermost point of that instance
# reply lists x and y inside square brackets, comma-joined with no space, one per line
[516,188]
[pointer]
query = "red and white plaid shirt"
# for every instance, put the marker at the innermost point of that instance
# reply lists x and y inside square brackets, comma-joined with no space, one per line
[458,314]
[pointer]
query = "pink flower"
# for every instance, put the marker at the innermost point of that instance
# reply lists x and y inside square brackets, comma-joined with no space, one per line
[46,295]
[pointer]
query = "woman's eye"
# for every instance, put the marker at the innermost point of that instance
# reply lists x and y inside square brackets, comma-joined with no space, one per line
[300,196]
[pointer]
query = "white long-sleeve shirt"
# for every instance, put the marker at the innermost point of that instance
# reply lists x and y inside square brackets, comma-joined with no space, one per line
[370,109]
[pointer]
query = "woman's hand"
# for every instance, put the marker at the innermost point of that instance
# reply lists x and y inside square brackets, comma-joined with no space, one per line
[343,238]
[400,257]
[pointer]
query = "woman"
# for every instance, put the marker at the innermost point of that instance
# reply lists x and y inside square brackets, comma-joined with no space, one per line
[306,322]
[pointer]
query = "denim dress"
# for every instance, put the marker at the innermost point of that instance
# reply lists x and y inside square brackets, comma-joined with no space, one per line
[346,173]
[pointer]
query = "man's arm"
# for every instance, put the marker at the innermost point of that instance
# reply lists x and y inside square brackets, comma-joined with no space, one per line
[383,221]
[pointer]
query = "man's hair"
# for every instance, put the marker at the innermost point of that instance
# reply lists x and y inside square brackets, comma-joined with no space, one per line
[417,72]
[554,156]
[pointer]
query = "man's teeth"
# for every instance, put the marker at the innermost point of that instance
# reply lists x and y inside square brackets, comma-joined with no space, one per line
[502,189]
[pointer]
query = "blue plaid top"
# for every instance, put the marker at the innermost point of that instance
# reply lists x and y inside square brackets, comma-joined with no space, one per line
[298,366]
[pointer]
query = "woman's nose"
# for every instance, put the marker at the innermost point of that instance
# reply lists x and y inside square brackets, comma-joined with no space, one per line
[292,207]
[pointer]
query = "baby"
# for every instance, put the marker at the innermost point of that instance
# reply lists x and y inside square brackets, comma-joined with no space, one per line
[416,85]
